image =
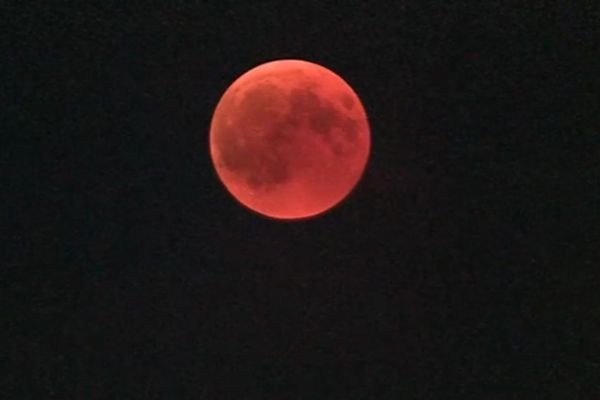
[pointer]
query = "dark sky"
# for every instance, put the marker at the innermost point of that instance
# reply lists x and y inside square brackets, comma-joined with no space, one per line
[464,265]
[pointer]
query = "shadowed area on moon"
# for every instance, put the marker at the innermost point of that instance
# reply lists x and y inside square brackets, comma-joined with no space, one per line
[261,158]
[293,134]
[258,157]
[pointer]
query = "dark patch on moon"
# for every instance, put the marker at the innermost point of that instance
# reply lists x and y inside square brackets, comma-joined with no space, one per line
[336,148]
[256,156]
[271,169]
[324,118]
[321,114]
[350,129]
[303,101]
[297,72]
[260,102]
[260,162]
[347,101]
[230,150]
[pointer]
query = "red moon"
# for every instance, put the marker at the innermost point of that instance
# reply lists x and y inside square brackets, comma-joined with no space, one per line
[290,139]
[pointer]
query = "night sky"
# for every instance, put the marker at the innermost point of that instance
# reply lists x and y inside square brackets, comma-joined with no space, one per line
[464,264]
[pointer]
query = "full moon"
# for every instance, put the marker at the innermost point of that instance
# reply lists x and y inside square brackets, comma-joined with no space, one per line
[290,139]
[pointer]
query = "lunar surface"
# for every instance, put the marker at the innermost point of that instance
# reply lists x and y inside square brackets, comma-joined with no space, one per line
[289,139]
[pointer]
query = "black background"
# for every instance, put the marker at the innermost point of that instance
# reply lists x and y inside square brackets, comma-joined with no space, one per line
[464,265]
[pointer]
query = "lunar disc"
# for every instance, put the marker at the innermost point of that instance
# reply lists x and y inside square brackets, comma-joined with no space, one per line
[289,139]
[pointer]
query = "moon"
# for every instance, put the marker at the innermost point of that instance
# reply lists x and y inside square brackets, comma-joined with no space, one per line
[290,139]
